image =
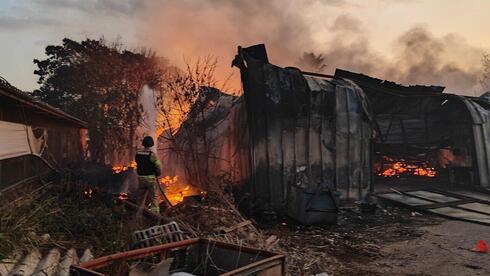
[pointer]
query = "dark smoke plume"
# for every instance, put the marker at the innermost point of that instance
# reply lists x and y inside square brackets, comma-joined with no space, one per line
[423,58]
[187,29]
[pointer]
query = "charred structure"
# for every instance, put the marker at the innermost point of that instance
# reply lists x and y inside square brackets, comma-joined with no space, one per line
[211,142]
[307,133]
[427,132]
[349,133]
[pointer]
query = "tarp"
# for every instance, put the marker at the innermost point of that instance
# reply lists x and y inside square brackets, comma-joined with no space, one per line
[18,139]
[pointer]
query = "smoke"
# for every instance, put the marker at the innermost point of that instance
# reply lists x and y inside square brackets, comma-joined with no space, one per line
[418,57]
[184,30]
[426,59]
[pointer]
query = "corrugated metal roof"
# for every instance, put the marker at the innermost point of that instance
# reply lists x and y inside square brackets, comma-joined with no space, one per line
[8,90]
[35,263]
[388,86]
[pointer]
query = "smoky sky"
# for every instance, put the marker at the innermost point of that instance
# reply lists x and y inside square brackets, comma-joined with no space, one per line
[418,57]
[16,23]
[185,29]
[113,7]
[422,60]
[315,35]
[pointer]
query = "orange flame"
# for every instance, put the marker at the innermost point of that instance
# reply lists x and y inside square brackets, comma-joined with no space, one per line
[401,167]
[176,191]
[119,168]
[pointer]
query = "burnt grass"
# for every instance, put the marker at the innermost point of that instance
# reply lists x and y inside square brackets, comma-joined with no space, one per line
[351,246]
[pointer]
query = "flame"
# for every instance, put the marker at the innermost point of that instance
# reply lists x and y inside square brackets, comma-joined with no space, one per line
[88,193]
[167,180]
[119,168]
[401,168]
[123,196]
[176,191]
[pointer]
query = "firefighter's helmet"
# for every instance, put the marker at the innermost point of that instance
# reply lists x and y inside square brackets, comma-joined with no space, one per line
[148,142]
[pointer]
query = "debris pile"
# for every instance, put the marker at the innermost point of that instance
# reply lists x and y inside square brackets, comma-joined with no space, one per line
[217,218]
[344,249]
[349,248]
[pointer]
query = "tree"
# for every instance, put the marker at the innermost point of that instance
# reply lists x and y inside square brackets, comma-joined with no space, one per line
[186,100]
[100,84]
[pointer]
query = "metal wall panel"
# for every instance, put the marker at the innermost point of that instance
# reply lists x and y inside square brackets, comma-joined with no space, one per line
[352,142]
[481,136]
[304,130]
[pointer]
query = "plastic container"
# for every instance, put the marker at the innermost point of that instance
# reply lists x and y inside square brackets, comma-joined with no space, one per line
[311,206]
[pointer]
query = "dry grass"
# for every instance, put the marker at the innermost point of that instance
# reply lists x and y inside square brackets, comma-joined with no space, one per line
[20,220]
[65,218]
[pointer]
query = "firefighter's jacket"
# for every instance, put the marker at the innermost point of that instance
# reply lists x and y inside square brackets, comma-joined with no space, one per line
[148,165]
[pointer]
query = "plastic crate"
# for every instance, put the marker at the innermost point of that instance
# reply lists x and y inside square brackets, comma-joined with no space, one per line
[157,235]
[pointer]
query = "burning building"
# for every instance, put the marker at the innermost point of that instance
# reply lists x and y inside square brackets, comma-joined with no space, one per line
[35,137]
[211,142]
[425,133]
[349,132]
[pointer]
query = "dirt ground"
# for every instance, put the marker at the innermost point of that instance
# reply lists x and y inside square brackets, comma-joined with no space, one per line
[391,242]
[441,250]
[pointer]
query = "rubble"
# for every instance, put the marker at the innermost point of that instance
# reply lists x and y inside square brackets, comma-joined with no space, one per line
[346,248]
[217,218]
[341,249]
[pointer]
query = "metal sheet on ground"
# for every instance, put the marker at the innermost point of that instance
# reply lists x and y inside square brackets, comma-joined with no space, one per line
[462,205]
[476,195]
[433,196]
[405,199]
[484,208]
[462,214]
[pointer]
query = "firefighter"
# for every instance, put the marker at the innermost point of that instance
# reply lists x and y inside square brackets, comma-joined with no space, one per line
[149,169]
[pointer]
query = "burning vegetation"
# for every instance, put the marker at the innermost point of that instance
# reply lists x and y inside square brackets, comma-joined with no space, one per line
[175,191]
[119,168]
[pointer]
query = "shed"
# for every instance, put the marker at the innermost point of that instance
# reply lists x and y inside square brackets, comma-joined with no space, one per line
[35,137]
